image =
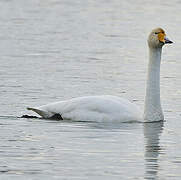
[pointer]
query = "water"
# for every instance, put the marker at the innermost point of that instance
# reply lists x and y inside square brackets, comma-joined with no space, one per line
[55,50]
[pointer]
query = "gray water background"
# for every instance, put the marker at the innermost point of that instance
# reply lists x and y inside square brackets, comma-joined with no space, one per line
[52,50]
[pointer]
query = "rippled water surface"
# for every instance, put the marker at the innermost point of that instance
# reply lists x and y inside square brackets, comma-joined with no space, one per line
[52,50]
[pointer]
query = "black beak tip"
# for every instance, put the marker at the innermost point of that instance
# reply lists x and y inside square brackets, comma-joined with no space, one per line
[168,42]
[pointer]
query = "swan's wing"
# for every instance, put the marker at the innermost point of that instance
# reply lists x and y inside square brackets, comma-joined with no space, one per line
[91,108]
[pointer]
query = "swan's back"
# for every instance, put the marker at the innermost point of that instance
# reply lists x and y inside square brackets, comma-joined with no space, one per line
[92,108]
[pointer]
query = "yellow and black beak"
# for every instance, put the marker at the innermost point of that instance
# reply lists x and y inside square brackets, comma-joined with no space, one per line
[162,38]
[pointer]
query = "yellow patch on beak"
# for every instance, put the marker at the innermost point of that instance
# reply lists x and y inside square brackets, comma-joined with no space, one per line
[161,37]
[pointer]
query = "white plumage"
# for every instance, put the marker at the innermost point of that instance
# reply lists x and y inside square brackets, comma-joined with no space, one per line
[92,108]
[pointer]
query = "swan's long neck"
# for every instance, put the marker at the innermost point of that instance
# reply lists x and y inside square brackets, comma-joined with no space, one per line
[153,110]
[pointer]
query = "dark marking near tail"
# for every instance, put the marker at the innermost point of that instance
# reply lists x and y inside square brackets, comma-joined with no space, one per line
[27,116]
[54,117]
[57,117]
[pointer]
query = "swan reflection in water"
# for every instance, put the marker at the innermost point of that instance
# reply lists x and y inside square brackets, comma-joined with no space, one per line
[152,132]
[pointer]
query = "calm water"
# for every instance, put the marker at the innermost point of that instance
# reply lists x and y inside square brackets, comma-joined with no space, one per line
[51,50]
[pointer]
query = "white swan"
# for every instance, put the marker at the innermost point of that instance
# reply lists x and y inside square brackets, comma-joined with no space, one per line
[112,108]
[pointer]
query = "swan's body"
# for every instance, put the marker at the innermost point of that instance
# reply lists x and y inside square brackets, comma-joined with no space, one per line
[92,108]
[112,108]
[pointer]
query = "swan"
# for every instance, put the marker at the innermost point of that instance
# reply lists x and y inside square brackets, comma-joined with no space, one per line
[111,108]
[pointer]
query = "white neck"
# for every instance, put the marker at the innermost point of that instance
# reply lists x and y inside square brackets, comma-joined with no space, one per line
[153,110]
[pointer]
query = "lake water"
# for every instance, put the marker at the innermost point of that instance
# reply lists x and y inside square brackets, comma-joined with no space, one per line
[52,50]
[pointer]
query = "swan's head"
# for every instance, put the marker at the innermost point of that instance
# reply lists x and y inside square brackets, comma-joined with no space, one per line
[157,38]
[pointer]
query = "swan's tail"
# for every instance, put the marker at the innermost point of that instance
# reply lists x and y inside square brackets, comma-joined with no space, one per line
[42,113]
[45,114]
